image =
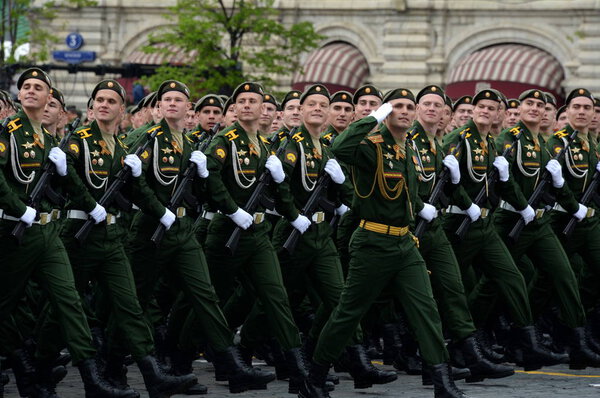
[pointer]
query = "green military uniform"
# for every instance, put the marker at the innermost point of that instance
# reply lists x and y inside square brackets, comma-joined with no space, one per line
[41,255]
[482,247]
[179,258]
[235,163]
[385,200]
[102,258]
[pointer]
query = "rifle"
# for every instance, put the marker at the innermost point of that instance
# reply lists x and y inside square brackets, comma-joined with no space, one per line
[263,182]
[491,177]
[113,191]
[537,195]
[42,188]
[187,177]
[438,189]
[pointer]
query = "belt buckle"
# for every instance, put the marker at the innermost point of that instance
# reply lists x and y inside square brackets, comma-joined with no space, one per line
[109,218]
[259,217]
[484,212]
[590,212]
[539,213]
[320,217]
[180,212]
[44,218]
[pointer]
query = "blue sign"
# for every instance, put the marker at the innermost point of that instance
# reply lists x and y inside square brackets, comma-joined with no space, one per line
[74,41]
[74,57]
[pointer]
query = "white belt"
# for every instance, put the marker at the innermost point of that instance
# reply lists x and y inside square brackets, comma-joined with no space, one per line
[318,217]
[590,211]
[82,215]
[44,218]
[134,207]
[452,209]
[506,206]
[209,215]
[272,212]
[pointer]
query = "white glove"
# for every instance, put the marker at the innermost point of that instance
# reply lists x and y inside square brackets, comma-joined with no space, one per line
[528,214]
[135,164]
[382,112]
[474,212]
[502,165]
[29,216]
[200,160]
[332,167]
[428,212]
[58,157]
[301,223]
[341,210]
[167,219]
[275,168]
[241,218]
[452,164]
[555,170]
[98,214]
[598,167]
[580,214]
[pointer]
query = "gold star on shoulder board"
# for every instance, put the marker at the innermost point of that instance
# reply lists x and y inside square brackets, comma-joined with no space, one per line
[423,151]
[389,156]
[167,151]
[242,152]
[478,151]
[309,156]
[95,153]
[575,150]
[529,147]
[27,145]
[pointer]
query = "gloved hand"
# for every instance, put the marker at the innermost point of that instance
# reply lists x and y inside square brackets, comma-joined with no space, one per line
[341,210]
[580,214]
[199,159]
[555,170]
[98,213]
[168,219]
[241,218]
[598,166]
[528,214]
[382,112]
[428,212]
[452,164]
[502,165]
[301,223]
[134,162]
[275,168]
[58,157]
[474,212]
[29,216]
[332,167]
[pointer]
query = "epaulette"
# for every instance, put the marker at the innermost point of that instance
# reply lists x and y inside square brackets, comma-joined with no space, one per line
[515,130]
[84,132]
[375,139]
[189,139]
[297,137]
[122,143]
[195,133]
[13,125]
[561,133]
[263,139]
[152,129]
[231,135]
[327,136]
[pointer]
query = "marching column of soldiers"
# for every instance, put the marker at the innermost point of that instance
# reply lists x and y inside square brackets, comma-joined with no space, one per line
[455,240]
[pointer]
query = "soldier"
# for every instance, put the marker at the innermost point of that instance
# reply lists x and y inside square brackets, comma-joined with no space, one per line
[210,112]
[89,112]
[290,110]
[561,118]
[444,125]
[54,113]
[267,115]
[434,245]
[595,123]
[385,202]
[476,158]
[366,99]
[341,110]
[277,121]
[547,124]
[24,149]
[95,156]
[179,258]
[190,120]
[512,113]
[229,112]
[499,121]
[462,111]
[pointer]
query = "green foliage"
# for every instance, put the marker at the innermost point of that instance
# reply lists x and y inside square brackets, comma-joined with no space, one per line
[230,42]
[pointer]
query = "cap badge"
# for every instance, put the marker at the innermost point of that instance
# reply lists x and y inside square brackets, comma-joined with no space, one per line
[247,87]
[434,89]
[536,94]
[317,88]
[367,90]
[581,91]
[404,92]
[34,73]
[172,85]
[110,84]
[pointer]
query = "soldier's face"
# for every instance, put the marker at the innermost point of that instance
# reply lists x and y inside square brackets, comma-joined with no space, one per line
[512,117]
[277,122]
[403,114]
[500,116]
[596,119]
[365,105]
[462,114]
[548,117]
[190,119]
[315,110]
[108,106]
[340,115]
[430,109]
[291,113]
[485,112]
[138,119]
[268,114]
[446,116]
[532,110]
[174,105]
[248,106]
[34,94]
[52,113]
[580,112]
[209,116]
[230,115]
[561,122]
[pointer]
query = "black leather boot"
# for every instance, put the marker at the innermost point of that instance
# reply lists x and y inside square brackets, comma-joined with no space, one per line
[46,384]
[486,347]
[115,372]
[534,355]
[96,387]
[408,361]
[362,370]
[480,367]
[457,374]
[308,347]
[391,343]
[443,383]
[314,385]
[298,369]
[580,354]
[241,377]
[158,383]
[24,370]
[282,368]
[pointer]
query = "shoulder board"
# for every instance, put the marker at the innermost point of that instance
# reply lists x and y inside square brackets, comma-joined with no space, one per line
[152,129]
[415,136]
[195,133]
[231,135]
[122,143]
[84,132]
[297,137]
[14,124]
[515,130]
[189,139]
[327,136]
[122,136]
[263,139]
[561,133]
[375,139]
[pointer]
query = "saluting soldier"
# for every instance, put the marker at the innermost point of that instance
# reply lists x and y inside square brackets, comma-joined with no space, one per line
[24,149]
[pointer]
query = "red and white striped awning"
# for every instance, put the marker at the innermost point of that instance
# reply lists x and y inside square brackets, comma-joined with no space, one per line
[175,56]
[510,63]
[339,66]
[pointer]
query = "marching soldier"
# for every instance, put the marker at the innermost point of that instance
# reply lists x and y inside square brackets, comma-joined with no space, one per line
[210,112]
[54,114]
[512,113]
[290,110]
[267,115]
[340,115]
[230,116]
[547,124]
[462,111]
[444,124]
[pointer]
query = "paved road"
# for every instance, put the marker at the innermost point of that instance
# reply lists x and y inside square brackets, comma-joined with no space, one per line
[555,382]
